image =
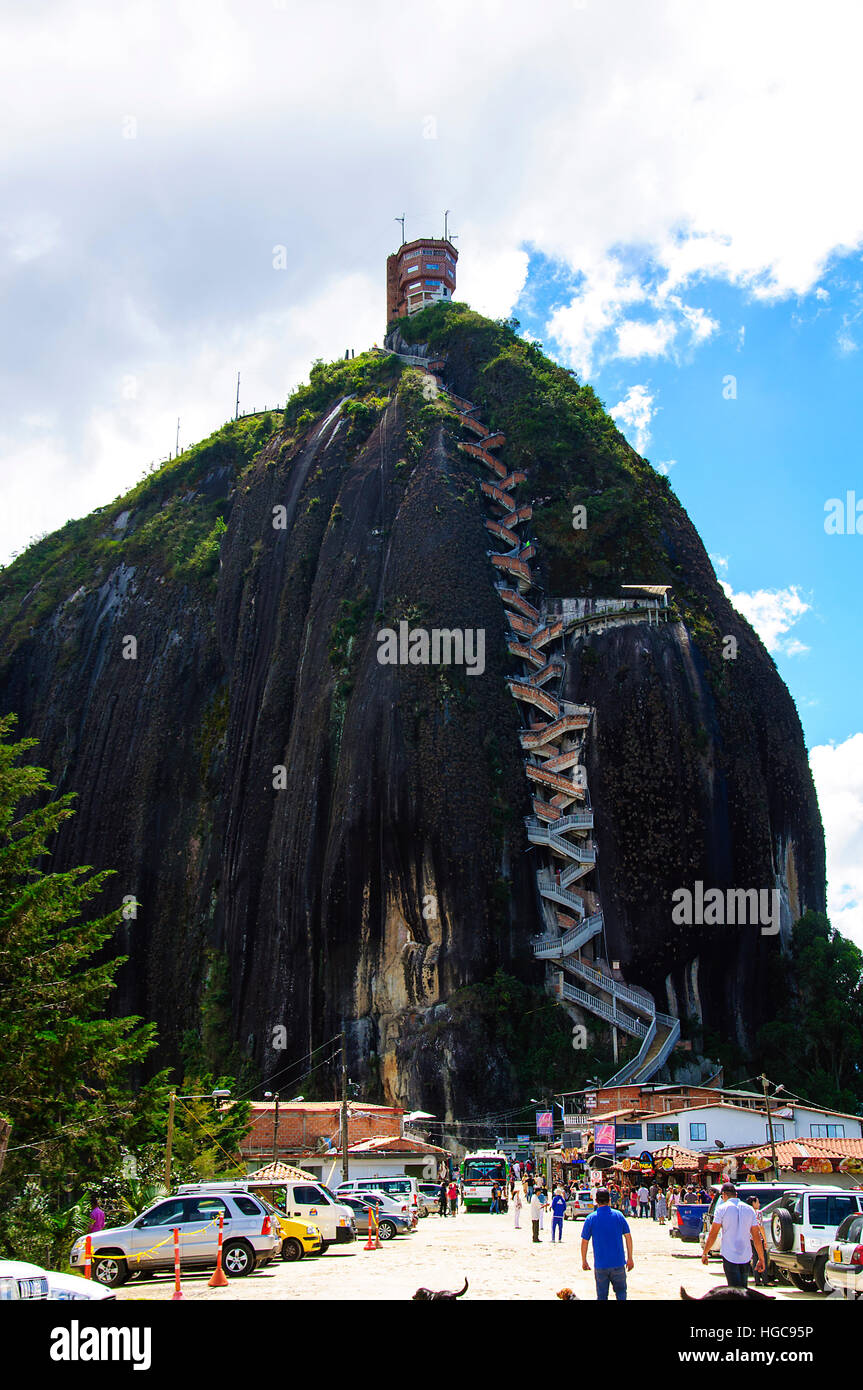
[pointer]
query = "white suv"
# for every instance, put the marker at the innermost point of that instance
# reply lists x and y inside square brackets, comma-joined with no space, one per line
[799,1228]
[147,1243]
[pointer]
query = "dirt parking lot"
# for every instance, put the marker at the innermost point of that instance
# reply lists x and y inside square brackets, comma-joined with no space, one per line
[498,1261]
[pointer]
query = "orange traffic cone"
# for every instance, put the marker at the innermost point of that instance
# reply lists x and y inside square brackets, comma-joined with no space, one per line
[370,1244]
[218,1280]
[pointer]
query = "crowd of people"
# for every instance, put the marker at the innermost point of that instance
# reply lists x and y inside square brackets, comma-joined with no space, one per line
[738,1224]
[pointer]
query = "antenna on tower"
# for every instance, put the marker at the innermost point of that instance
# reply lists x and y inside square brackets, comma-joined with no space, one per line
[237,407]
[402,221]
[445,216]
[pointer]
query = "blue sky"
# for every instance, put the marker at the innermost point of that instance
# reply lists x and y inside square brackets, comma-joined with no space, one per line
[665,195]
[753,460]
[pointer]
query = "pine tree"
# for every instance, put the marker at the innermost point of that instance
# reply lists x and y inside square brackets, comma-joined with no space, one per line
[64,1066]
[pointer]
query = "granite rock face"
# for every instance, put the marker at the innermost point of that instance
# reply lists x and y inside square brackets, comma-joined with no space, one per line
[350,834]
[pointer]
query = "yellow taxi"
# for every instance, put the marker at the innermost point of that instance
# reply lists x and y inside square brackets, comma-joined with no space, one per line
[298,1237]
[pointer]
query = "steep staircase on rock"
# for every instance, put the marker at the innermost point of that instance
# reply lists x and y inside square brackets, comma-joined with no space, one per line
[553,740]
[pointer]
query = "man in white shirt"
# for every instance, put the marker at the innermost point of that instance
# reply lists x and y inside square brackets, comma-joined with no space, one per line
[738,1225]
[535,1214]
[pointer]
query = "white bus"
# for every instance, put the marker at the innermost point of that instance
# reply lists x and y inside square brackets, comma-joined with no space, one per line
[479,1171]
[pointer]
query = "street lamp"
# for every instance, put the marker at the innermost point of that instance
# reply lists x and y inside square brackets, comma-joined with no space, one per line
[212,1095]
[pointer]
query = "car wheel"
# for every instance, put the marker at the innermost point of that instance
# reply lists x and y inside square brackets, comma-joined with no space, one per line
[110,1270]
[325,1245]
[386,1230]
[802,1283]
[238,1259]
[820,1280]
[423,1211]
[292,1248]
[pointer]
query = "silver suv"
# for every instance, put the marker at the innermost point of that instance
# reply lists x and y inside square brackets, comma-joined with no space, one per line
[147,1243]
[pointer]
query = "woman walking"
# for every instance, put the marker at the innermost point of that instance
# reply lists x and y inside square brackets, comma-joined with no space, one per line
[661,1207]
[517,1205]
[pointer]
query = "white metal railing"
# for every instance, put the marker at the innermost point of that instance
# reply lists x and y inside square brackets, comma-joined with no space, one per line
[550,888]
[597,1006]
[613,987]
[572,940]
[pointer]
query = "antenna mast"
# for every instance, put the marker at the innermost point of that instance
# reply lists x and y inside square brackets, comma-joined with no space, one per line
[402,221]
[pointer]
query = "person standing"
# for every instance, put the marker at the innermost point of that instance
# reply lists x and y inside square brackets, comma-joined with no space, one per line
[633,1201]
[760,1276]
[535,1216]
[661,1207]
[738,1225]
[653,1192]
[643,1201]
[97,1218]
[543,1202]
[517,1205]
[558,1208]
[442,1196]
[608,1230]
[453,1198]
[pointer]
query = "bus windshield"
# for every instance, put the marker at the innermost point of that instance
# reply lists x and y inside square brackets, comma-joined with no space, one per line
[477,1170]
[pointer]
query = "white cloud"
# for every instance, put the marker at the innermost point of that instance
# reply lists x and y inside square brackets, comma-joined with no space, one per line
[720,562]
[638,339]
[838,773]
[650,148]
[634,414]
[666,466]
[773,612]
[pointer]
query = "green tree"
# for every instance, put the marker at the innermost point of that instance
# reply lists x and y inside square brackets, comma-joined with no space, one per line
[64,1067]
[814,1046]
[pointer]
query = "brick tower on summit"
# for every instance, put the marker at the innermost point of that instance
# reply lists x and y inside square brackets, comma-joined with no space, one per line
[419,273]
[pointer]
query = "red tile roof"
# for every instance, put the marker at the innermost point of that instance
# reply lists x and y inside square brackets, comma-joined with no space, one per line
[393,1145]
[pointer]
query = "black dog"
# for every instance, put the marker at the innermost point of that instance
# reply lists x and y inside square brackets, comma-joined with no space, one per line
[432,1296]
[725,1291]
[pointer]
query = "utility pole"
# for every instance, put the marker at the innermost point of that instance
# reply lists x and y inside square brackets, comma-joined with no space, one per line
[770,1128]
[402,221]
[445,216]
[276,1128]
[344,1106]
[171,1100]
[237,410]
[177,450]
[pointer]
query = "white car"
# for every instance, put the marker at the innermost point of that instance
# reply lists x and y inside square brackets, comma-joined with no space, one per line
[389,1203]
[20,1280]
[580,1205]
[845,1265]
[800,1229]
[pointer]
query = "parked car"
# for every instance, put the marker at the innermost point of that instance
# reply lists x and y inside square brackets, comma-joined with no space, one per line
[306,1200]
[19,1279]
[298,1238]
[766,1192]
[146,1244]
[845,1265]
[799,1229]
[430,1194]
[387,1204]
[389,1224]
[399,1185]
[580,1205]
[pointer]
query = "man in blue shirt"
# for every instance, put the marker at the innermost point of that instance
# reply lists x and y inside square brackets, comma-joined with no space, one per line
[608,1229]
[558,1209]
